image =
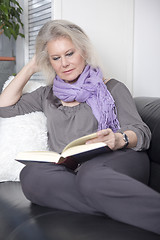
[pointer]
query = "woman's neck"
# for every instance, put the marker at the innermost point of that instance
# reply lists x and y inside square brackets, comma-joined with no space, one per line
[70,104]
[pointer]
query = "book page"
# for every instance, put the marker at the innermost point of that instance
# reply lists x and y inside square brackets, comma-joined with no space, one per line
[80,141]
[40,156]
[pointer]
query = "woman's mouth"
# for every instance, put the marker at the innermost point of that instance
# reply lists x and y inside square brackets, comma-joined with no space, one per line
[68,71]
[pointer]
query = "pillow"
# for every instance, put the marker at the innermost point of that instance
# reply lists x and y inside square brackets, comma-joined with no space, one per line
[21,133]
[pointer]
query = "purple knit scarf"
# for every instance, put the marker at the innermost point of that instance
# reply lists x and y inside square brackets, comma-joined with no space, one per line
[91,89]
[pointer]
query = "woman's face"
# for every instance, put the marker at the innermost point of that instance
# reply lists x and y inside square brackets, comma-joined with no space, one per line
[66,60]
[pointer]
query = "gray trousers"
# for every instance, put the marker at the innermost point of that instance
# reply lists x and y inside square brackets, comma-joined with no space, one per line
[114,184]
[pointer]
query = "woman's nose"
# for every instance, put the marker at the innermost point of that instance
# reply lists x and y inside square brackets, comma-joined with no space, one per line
[64,62]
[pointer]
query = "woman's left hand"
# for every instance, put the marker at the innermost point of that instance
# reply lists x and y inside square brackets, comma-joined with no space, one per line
[114,140]
[107,136]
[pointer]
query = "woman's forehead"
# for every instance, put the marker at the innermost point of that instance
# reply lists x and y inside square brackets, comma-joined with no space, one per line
[59,46]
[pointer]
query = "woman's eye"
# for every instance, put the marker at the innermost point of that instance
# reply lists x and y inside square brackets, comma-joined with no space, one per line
[69,54]
[56,58]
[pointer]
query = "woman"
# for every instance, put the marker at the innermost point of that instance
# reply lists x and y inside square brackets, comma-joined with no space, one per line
[78,103]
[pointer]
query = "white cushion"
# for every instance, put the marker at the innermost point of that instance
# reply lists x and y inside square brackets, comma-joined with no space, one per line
[21,133]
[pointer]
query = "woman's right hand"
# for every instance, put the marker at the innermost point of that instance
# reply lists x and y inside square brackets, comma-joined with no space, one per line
[33,64]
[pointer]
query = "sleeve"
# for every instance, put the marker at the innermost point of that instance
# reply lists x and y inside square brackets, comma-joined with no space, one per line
[29,102]
[128,115]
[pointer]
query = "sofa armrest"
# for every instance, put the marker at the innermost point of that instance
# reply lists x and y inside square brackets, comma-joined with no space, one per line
[149,110]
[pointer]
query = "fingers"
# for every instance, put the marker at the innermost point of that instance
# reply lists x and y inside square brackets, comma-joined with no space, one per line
[104,132]
[102,136]
[33,64]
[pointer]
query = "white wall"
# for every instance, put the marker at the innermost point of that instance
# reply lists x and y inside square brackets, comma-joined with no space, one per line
[109,24]
[146,77]
[126,34]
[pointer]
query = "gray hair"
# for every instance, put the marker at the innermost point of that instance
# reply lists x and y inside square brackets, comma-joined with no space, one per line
[55,29]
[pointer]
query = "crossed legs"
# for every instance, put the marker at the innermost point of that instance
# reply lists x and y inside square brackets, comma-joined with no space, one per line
[113,184]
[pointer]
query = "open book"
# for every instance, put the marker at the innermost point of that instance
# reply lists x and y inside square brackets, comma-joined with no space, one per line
[76,150]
